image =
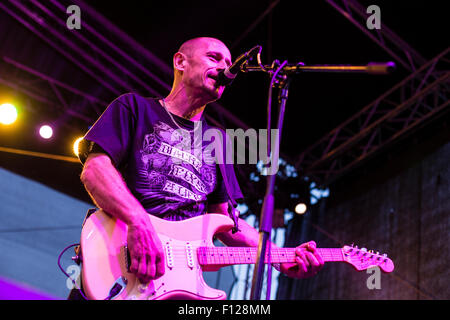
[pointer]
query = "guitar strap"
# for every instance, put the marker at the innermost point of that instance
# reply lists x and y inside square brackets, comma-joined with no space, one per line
[232,211]
[232,204]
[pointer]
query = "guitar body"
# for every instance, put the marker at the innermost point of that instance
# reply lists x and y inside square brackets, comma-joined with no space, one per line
[104,256]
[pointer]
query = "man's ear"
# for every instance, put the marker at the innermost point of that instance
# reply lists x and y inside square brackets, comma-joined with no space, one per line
[179,61]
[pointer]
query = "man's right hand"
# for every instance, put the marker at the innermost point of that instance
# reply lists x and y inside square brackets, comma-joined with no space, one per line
[146,251]
[109,191]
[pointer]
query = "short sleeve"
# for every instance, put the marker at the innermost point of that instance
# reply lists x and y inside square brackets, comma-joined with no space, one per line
[112,133]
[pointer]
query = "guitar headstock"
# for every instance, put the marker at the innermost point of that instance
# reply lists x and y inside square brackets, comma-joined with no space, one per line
[363,259]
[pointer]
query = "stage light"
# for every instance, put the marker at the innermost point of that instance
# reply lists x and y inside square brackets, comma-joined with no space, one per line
[300,208]
[8,113]
[46,131]
[75,145]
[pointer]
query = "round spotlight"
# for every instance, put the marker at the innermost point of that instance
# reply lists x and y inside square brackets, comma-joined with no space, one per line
[300,208]
[8,113]
[75,145]
[46,131]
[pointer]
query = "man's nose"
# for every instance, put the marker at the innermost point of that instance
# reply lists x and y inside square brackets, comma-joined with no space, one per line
[222,65]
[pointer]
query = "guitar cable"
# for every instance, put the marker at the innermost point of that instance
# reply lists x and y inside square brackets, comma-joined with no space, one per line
[67,275]
[115,290]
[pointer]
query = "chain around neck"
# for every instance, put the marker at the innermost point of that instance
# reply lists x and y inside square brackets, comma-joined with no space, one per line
[174,121]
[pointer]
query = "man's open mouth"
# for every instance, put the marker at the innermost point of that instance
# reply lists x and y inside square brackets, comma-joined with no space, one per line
[215,78]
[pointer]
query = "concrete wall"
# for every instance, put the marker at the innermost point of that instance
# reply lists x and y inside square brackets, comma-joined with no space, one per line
[399,205]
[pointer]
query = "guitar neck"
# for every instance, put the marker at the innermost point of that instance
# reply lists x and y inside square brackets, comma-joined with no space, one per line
[248,255]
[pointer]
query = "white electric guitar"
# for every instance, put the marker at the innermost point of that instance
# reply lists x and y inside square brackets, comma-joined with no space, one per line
[189,251]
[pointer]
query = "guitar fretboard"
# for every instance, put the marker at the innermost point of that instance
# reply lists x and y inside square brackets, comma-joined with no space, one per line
[248,255]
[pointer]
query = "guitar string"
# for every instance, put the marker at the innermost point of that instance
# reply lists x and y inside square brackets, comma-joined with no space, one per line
[244,250]
[251,260]
[240,259]
[237,253]
[325,252]
[251,250]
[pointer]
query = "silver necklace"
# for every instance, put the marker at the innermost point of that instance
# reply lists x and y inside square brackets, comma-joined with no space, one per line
[176,123]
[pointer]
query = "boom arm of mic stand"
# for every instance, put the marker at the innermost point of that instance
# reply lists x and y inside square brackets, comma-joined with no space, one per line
[370,68]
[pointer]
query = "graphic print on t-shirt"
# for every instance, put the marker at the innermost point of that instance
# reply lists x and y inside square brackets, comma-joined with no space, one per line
[170,167]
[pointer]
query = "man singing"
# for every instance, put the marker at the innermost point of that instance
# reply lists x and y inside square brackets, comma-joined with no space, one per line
[134,166]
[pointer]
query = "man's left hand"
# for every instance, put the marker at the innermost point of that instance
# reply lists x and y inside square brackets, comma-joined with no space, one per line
[308,262]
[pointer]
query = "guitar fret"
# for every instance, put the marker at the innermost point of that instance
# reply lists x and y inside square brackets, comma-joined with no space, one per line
[221,256]
[248,255]
[331,254]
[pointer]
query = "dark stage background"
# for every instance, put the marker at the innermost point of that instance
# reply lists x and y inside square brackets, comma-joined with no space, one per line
[376,147]
[398,205]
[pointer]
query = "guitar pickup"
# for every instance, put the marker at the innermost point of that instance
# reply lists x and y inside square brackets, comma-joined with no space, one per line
[169,255]
[127,258]
[189,255]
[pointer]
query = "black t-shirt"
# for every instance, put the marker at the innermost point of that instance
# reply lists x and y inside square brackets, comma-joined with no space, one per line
[159,162]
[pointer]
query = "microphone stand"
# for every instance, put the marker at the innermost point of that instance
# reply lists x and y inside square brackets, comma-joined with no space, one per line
[281,77]
[269,199]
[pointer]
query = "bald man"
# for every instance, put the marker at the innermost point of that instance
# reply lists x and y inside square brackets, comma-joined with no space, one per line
[130,170]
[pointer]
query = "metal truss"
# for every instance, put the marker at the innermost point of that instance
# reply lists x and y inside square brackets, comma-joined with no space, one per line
[388,40]
[405,107]
[106,54]
[118,64]
[415,100]
[110,58]
[49,91]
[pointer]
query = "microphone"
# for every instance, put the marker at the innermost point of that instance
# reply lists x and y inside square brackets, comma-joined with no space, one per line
[226,76]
